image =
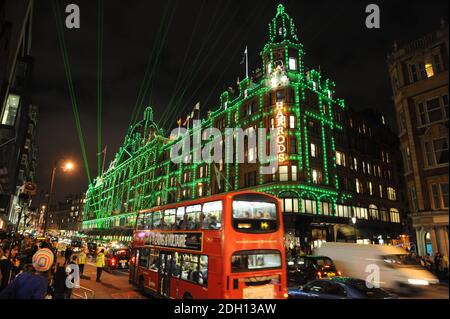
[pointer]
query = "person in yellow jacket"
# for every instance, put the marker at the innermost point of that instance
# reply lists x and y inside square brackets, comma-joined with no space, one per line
[100,263]
[81,261]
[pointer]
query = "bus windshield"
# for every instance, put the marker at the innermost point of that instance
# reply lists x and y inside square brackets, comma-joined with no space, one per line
[254,213]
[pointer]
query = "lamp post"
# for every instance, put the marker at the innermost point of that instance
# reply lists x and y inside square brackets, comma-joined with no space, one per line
[67,167]
[354,228]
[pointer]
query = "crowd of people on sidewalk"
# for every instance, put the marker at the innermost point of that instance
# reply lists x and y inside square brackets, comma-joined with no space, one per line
[437,264]
[29,268]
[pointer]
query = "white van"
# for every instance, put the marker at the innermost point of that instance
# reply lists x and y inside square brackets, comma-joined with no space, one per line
[397,270]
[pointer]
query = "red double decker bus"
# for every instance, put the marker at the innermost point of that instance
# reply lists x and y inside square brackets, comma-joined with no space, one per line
[227,246]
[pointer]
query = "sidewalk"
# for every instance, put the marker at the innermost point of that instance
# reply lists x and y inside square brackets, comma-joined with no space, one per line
[112,286]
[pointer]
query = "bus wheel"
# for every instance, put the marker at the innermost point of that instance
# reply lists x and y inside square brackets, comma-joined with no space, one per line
[187,295]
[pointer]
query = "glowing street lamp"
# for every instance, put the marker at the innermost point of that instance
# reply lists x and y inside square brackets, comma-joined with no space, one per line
[67,166]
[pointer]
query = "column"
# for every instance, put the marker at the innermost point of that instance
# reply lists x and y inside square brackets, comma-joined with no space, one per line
[443,240]
[420,242]
[434,240]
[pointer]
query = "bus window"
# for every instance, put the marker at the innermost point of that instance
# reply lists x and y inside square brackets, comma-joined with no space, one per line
[176,265]
[169,219]
[144,221]
[255,260]
[203,278]
[254,213]
[179,221]
[157,218]
[143,258]
[185,267]
[192,216]
[154,259]
[212,215]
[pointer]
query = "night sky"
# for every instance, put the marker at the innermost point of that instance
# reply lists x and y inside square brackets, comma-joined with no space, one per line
[203,48]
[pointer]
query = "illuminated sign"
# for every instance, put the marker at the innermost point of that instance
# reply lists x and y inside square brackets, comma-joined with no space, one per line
[280,124]
[181,240]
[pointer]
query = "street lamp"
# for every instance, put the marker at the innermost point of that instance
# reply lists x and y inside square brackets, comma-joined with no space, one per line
[68,166]
[354,228]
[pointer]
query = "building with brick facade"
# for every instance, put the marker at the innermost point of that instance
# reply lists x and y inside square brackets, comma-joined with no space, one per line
[419,76]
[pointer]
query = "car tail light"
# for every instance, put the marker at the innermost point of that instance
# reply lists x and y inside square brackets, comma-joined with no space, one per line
[339,273]
[319,275]
[113,261]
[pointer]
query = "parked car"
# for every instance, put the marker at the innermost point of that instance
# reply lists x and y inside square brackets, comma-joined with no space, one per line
[307,268]
[117,259]
[339,288]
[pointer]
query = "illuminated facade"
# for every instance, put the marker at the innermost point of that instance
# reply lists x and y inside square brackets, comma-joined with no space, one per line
[307,116]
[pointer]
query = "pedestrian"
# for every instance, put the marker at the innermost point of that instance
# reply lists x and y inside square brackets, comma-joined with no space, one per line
[82,261]
[73,271]
[437,262]
[67,255]
[31,284]
[5,268]
[59,283]
[100,263]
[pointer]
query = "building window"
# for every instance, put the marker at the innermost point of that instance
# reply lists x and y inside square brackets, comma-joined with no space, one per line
[433,110]
[292,64]
[358,186]
[436,152]
[381,191]
[250,179]
[360,213]
[373,212]
[200,190]
[291,121]
[437,63]
[391,194]
[326,209]
[293,143]
[401,121]
[280,96]
[407,162]
[429,67]
[316,176]
[284,174]
[10,112]
[414,75]
[395,215]
[370,188]
[445,104]
[340,158]
[290,205]
[309,206]
[294,172]
[355,163]
[313,150]
[440,195]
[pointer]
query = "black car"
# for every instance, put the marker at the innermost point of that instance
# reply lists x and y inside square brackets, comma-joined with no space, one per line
[306,268]
[339,288]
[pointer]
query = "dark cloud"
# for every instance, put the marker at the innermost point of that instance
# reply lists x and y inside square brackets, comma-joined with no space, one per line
[333,34]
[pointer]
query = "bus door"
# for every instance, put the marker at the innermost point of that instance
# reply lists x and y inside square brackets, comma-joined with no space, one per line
[133,268]
[165,272]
